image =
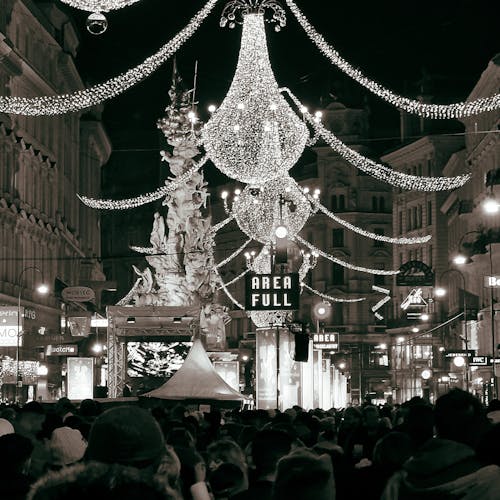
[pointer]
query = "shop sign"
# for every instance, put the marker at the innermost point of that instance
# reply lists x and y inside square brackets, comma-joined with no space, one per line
[326,341]
[78,294]
[415,273]
[480,361]
[492,281]
[268,292]
[11,326]
[61,350]
[460,353]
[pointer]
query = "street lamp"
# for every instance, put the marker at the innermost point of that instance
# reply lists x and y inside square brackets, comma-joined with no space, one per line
[441,292]
[42,289]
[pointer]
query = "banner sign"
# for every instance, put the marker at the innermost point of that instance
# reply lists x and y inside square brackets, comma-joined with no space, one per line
[80,378]
[268,292]
[460,353]
[78,294]
[61,350]
[266,369]
[10,327]
[492,281]
[326,341]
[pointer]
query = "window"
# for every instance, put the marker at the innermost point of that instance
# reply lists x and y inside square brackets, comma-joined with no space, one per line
[337,274]
[380,232]
[408,220]
[419,217]
[374,204]
[381,204]
[333,202]
[338,238]
[429,213]
[379,280]
[429,259]
[341,202]
[400,222]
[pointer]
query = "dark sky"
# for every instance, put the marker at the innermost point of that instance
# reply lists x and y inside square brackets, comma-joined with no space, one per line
[394,42]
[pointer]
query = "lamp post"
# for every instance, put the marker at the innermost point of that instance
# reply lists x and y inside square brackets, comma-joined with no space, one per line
[42,289]
[441,292]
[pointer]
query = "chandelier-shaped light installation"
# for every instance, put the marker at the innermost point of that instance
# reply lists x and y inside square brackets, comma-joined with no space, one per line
[258,210]
[81,99]
[443,111]
[99,5]
[381,172]
[235,11]
[254,136]
[143,199]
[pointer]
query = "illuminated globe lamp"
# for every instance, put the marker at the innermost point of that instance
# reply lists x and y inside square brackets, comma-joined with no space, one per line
[254,136]
[260,210]
[426,374]
[459,361]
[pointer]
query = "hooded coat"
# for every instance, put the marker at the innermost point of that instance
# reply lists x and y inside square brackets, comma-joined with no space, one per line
[444,470]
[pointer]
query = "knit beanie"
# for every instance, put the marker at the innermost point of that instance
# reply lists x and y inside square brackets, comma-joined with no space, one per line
[5,427]
[67,446]
[126,435]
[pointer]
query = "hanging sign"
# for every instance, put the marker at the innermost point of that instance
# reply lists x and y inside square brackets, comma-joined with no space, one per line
[326,341]
[415,273]
[269,292]
[11,326]
[61,350]
[78,294]
[492,281]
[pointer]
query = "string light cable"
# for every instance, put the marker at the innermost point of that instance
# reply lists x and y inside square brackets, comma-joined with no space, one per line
[329,297]
[81,99]
[368,234]
[434,111]
[381,272]
[381,172]
[226,291]
[143,199]
[220,225]
[234,280]
[234,254]
[99,5]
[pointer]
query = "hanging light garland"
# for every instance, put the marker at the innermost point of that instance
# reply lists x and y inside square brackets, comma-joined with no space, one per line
[81,99]
[143,199]
[381,272]
[381,172]
[329,297]
[226,291]
[220,225]
[144,250]
[368,234]
[234,280]
[233,255]
[436,111]
[258,210]
[254,136]
[99,5]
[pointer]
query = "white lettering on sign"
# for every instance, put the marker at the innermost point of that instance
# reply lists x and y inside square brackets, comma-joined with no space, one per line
[414,298]
[271,299]
[278,283]
[492,281]
[9,336]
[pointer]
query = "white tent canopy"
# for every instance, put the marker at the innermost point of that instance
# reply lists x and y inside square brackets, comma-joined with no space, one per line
[196,379]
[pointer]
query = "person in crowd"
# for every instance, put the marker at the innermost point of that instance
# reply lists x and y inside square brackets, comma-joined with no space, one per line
[65,408]
[268,446]
[447,466]
[227,480]
[302,475]
[15,455]
[493,411]
[128,435]
[225,451]
[100,480]
[367,435]
[6,427]
[67,447]
[349,425]
[29,423]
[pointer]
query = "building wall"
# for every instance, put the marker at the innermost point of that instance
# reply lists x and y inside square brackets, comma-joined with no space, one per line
[45,162]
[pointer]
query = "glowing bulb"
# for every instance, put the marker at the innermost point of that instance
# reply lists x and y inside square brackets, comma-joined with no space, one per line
[247,255]
[236,128]
[244,358]
[191,115]
[42,370]
[459,361]
[224,195]
[440,292]
[281,232]
[42,289]
[341,366]
[441,349]
[491,206]
[426,374]
[321,310]
[383,346]
[240,105]
[401,339]
[303,109]
[460,260]
[424,317]
[415,329]
[212,108]
[237,192]
[318,114]
[97,348]
[317,191]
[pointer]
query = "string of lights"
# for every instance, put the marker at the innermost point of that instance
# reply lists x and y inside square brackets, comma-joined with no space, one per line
[126,300]
[221,224]
[144,250]
[329,297]
[99,5]
[234,280]
[143,199]
[368,234]
[233,255]
[342,263]
[381,172]
[435,111]
[227,292]
[81,99]
[254,136]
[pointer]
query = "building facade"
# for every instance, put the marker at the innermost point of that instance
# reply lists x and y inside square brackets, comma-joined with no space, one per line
[46,233]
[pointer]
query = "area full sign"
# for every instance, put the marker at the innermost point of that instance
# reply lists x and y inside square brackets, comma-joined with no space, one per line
[268,292]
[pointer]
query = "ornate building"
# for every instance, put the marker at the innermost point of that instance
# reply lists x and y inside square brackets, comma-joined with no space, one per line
[45,161]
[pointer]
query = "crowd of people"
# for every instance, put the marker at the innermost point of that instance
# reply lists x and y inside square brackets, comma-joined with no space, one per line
[413,451]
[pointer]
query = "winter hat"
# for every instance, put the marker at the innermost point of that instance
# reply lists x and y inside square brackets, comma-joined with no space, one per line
[126,435]
[67,446]
[5,427]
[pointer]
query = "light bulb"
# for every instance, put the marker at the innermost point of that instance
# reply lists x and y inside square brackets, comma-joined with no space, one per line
[460,260]
[281,232]
[440,292]
[212,108]
[491,206]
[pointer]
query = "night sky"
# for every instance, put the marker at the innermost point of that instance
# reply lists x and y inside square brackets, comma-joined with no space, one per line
[444,45]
